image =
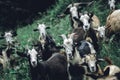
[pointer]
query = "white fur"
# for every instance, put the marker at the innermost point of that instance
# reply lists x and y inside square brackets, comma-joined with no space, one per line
[77,59]
[101,31]
[8,37]
[90,59]
[84,19]
[68,45]
[108,78]
[111,4]
[74,12]
[91,48]
[33,57]
[113,69]
[42,31]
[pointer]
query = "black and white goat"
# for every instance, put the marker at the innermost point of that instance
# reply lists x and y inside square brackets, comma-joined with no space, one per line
[53,68]
[46,41]
[87,30]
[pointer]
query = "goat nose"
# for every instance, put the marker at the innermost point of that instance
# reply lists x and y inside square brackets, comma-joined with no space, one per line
[33,62]
[112,8]
[70,56]
[86,26]
[92,69]
[102,36]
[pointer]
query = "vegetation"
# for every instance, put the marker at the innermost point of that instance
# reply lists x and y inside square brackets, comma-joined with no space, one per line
[58,27]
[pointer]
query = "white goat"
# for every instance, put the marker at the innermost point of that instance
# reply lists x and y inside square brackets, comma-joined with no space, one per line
[100,32]
[111,4]
[43,34]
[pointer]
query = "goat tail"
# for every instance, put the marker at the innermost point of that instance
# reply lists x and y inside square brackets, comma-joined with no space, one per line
[108,60]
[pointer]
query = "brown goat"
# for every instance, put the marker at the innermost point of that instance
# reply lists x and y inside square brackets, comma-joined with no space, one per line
[112,23]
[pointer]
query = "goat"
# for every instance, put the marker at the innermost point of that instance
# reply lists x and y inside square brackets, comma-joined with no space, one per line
[100,33]
[8,36]
[53,68]
[68,45]
[72,9]
[112,24]
[89,20]
[75,54]
[111,4]
[89,56]
[110,72]
[43,34]
[46,41]
[86,32]
[4,60]
[79,61]
[72,53]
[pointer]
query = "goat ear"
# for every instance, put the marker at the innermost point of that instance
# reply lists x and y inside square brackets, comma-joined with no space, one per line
[71,35]
[90,15]
[96,29]
[100,59]
[76,19]
[84,62]
[63,36]
[106,72]
[47,27]
[67,10]
[60,15]
[22,53]
[2,34]
[35,29]
[14,33]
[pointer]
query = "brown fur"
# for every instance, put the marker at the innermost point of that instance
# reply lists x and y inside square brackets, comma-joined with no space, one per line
[79,34]
[112,23]
[95,22]
[108,61]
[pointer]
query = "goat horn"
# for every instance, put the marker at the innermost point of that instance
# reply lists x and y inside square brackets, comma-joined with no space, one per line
[63,36]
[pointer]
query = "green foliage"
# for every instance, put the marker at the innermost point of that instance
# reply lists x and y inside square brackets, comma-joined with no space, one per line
[58,27]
